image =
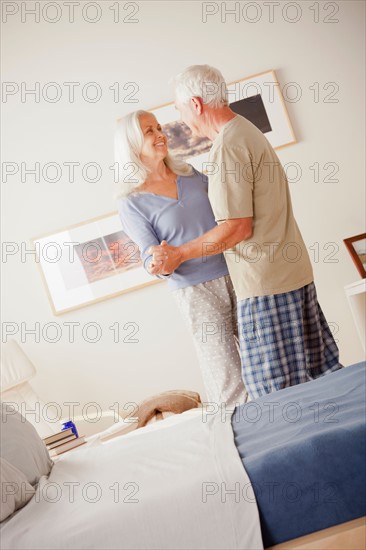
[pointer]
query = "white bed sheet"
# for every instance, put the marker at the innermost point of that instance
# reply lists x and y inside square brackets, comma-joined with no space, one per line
[145,490]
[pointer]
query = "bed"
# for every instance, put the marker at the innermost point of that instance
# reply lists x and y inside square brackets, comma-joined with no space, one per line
[304,451]
[285,467]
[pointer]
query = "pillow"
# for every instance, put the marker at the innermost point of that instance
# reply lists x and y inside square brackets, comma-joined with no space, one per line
[21,445]
[172,401]
[14,488]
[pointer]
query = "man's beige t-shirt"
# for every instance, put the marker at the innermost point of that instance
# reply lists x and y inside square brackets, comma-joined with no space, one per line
[246,179]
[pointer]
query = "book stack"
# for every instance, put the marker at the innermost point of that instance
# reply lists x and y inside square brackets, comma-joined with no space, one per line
[62,441]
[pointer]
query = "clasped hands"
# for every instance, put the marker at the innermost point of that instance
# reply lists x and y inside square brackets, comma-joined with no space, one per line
[165,259]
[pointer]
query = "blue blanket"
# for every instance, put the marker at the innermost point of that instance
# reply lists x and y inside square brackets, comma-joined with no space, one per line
[304,449]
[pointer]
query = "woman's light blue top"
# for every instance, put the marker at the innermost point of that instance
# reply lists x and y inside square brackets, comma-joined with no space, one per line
[149,219]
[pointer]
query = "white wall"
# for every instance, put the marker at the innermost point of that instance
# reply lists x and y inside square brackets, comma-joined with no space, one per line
[167,37]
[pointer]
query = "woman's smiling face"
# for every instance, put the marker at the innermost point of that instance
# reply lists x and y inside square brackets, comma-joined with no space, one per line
[155,142]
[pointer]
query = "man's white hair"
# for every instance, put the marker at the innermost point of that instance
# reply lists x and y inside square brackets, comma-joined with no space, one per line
[201,81]
[128,144]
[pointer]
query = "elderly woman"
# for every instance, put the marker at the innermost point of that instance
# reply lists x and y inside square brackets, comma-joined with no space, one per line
[165,200]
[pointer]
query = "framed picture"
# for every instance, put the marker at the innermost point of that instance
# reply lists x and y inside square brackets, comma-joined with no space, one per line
[89,262]
[357,248]
[258,98]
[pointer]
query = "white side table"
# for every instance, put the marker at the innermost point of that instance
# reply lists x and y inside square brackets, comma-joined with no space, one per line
[356,295]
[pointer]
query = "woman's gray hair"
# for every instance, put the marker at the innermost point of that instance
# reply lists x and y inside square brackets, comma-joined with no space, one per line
[201,81]
[128,144]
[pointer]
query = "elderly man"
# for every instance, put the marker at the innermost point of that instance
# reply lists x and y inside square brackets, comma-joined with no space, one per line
[284,336]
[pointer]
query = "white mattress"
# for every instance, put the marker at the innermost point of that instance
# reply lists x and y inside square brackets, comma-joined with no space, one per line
[159,487]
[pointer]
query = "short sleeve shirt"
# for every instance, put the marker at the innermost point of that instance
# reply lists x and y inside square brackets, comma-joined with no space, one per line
[246,179]
[148,219]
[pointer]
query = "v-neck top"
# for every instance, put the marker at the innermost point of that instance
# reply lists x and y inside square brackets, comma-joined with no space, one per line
[148,219]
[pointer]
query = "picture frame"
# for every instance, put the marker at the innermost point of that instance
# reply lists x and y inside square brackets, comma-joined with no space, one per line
[257,97]
[356,246]
[89,262]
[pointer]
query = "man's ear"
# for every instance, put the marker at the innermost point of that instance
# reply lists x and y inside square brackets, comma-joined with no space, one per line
[197,104]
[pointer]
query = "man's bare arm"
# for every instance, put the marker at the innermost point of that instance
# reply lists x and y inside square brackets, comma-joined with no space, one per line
[227,234]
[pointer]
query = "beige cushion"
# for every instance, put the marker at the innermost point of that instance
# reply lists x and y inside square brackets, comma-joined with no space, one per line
[15,489]
[21,445]
[158,407]
[174,401]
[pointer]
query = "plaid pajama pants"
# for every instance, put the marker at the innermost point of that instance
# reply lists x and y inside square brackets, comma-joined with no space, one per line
[284,340]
